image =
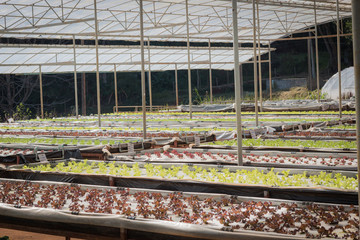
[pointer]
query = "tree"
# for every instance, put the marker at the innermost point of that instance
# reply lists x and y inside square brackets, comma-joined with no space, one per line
[330,44]
[15,90]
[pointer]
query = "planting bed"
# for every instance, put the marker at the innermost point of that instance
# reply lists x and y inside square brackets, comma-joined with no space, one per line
[349,127]
[250,158]
[11,154]
[311,185]
[193,215]
[222,126]
[5,152]
[168,121]
[207,173]
[321,133]
[108,138]
[281,105]
[98,137]
[314,134]
[89,133]
[64,141]
[291,143]
[280,168]
[196,115]
[131,119]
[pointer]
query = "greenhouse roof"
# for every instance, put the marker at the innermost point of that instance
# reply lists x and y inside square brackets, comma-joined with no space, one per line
[60,58]
[163,19]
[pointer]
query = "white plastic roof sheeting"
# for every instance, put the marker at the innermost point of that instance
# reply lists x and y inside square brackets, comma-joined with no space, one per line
[163,19]
[331,87]
[17,59]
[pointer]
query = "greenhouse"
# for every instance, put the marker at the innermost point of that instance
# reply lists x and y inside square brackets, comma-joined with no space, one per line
[179,119]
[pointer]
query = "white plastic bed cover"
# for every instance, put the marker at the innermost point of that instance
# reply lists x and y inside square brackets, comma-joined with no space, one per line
[331,87]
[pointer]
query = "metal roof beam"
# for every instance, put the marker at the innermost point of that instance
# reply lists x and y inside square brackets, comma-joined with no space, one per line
[69,46]
[118,64]
[46,25]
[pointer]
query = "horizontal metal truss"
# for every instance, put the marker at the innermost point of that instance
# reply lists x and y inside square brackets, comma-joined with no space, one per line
[23,58]
[163,19]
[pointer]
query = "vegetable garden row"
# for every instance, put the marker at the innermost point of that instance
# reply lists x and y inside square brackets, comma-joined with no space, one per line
[298,181]
[215,212]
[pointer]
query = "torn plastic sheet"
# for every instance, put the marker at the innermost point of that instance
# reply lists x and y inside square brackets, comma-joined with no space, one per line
[117,147]
[32,158]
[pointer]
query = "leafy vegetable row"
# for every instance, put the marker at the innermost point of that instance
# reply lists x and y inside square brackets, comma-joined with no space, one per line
[243,176]
[288,143]
[60,141]
[69,128]
[222,119]
[160,114]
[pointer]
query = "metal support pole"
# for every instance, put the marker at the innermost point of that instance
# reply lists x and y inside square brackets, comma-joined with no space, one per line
[188,53]
[338,55]
[149,74]
[356,49]
[83,90]
[83,94]
[255,66]
[176,86]
[309,57]
[317,55]
[241,82]
[270,73]
[75,82]
[41,94]
[237,82]
[259,54]
[97,65]
[143,93]
[116,92]
[210,74]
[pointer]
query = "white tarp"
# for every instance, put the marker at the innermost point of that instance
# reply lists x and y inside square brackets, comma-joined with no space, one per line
[331,87]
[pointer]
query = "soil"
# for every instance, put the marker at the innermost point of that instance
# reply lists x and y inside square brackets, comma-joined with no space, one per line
[21,235]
